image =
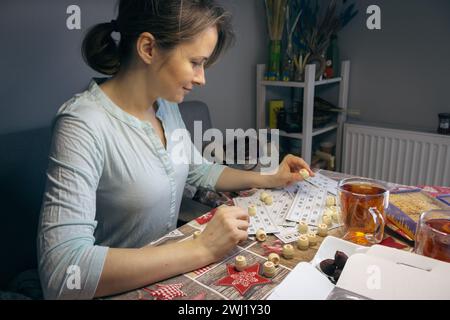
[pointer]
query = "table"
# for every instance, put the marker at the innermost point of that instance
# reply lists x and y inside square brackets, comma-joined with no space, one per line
[203,284]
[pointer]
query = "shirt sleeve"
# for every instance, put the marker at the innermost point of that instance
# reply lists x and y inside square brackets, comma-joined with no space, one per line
[70,264]
[202,173]
[205,174]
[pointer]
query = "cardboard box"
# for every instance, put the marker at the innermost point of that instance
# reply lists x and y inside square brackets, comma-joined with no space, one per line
[379,272]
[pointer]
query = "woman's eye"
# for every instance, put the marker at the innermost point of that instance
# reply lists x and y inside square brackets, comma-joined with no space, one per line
[196,64]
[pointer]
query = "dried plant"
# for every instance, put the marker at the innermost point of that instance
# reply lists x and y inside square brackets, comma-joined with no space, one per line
[275,11]
[317,26]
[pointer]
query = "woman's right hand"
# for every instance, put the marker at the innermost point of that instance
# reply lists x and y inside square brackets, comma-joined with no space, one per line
[225,230]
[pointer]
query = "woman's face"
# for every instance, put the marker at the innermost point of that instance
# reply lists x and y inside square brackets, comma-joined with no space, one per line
[184,67]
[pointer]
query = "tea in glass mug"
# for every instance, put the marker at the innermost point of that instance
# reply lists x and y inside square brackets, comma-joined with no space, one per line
[363,203]
[433,235]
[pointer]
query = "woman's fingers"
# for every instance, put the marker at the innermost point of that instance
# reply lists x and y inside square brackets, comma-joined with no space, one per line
[295,176]
[238,213]
[242,235]
[242,225]
[297,163]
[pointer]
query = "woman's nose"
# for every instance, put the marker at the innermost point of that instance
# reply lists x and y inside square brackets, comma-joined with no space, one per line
[199,78]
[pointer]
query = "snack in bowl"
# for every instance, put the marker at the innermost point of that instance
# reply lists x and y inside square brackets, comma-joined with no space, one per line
[333,267]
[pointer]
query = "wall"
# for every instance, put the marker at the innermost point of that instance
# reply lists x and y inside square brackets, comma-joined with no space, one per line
[400,74]
[230,89]
[42,67]
[40,59]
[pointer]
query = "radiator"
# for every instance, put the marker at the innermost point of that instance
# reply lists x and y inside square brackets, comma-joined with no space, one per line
[404,157]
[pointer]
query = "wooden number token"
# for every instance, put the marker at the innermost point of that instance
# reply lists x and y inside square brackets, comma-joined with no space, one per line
[252,210]
[304,173]
[334,209]
[261,235]
[331,201]
[268,200]
[327,212]
[303,228]
[197,234]
[274,258]
[312,239]
[335,217]
[269,269]
[240,263]
[288,251]
[303,242]
[263,196]
[323,230]
[327,221]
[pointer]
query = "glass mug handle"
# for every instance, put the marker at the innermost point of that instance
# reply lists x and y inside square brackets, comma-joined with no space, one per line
[379,221]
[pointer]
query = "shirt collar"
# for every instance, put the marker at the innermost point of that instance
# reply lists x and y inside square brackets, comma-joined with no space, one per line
[115,110]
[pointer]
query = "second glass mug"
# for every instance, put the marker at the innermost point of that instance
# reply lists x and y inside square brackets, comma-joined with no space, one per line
[433,235]
[363,203]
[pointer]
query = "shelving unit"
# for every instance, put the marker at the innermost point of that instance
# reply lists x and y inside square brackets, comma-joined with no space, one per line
[309,88]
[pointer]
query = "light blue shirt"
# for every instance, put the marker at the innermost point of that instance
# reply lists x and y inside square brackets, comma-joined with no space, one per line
[110,183]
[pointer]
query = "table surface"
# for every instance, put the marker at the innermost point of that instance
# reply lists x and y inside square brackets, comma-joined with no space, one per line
[202,284]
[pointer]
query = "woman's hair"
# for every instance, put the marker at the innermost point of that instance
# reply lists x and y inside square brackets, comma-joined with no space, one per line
[171,22]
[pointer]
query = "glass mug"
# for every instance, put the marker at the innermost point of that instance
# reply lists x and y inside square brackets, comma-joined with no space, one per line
[363,203]
[433,235]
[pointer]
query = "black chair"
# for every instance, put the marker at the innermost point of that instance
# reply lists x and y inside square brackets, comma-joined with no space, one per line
[192,111]
[23,163]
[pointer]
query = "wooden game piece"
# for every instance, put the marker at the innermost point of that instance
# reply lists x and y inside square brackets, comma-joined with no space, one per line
[268,200]
[331,201]
[327,212]
[335,213]
[196,234]
[303,228]
[327,221]
[252,210]
[303,242]
[274,258]
[288,251]
[240,263]
[261,235]
[334,209]
[263,196]
[312,239]
[304,173]
[323,230]
[335,217]
[269,269]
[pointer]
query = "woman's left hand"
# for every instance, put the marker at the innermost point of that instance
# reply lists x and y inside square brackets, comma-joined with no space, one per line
[288,172]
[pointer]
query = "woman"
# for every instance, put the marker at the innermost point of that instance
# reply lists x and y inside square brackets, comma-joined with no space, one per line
[113,183]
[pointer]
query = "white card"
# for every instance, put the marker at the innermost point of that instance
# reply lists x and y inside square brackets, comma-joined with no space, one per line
[323,182]
[262,220]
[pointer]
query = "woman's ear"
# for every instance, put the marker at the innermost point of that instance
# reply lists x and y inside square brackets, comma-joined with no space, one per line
[146,46]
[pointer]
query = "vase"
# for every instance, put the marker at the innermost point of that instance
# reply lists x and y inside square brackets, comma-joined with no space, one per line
[333,56]
[275,60]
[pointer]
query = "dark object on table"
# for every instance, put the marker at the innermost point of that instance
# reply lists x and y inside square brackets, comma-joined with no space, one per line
[340,259]
[333,268]
[444,123]
[337,274]
[328,267]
